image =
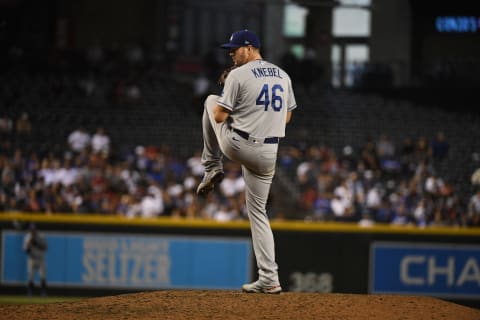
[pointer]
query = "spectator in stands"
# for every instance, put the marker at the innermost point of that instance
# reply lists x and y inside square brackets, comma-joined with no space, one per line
[387,155]
[322,209]
[356,188]
[46,172]
[232,184]
[6,126]
[17,162]
[400,215]
[175,193]
[79,140]
[348,159]
[309,197]
[100,142]
[211,206]
[34,203]
[31,166]
[455,214]
[475,178]
[433,185]
[60,203]
[151,204]
[228,211]
[373,201]
[7,185]
[473,210]
[147,203]
[422,149]
[420,213]
[342,204]
[325,182]
[23,129]
[289,157]
[305,173]
[191,204]
[23,125]
[407,160]
[439,146]
[438,217]
[384,213]
[369,155]
[194,163]
[67,174]
[422,170]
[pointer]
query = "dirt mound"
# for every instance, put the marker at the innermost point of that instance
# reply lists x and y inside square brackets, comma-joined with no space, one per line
[197,304]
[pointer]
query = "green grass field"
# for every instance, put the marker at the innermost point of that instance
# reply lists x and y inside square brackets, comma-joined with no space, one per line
[11,299]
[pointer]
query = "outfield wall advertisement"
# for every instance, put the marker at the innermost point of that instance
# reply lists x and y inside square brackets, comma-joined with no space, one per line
[133,261]
[442,270]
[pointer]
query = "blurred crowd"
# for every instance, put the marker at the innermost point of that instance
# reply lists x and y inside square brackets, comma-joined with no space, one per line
[143,182]
[380,182]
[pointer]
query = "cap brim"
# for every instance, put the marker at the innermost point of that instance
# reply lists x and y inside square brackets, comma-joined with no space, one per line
[229,46]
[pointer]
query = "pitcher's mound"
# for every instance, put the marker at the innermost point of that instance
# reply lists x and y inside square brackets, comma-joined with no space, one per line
[198,304]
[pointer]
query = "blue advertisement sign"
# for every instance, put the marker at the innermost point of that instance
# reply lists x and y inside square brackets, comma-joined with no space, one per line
[442,270]
[133,261]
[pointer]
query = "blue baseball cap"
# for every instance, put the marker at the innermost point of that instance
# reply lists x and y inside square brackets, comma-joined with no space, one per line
[242,38]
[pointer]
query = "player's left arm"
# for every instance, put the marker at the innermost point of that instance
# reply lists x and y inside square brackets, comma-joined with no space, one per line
[220,114]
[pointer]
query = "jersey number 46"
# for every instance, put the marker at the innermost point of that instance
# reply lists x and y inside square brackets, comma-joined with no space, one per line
[266,98]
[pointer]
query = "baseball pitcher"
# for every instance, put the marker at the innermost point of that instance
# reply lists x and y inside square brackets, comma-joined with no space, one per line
[245,124]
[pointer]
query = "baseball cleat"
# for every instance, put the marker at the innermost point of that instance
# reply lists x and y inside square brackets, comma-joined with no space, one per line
[256,287]
[210,179]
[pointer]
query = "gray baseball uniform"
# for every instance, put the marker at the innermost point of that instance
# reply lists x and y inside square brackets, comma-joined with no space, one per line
[35,246]
[258,95]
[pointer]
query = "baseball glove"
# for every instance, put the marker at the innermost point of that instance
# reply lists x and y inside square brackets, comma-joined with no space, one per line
[224,75]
